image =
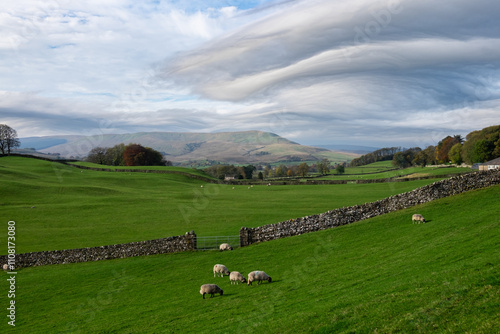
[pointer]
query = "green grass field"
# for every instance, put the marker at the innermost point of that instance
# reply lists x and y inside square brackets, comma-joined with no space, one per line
[382,275]
[385,170]
[58,207]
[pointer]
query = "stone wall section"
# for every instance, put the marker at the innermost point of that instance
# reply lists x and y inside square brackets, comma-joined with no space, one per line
[174,244]
[343,216]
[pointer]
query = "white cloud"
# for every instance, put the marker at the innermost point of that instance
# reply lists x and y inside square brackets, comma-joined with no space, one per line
[317,71]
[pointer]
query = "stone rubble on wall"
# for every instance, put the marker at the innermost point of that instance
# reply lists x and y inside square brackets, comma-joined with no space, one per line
[342,216]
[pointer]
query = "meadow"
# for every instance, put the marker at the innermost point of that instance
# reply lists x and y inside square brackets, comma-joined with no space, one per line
[381,275]
[59,207]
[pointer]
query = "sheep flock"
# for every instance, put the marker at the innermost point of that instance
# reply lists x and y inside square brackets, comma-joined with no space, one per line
[235,277]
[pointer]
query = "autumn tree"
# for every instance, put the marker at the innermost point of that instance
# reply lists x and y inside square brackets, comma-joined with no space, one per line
[425,157]
[303,169]
[137,155]
[281,170]
[8,138]
[444,147]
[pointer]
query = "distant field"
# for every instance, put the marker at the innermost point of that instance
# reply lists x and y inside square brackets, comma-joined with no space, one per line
[192,171]
[58,207]
[382,275]
[384,170]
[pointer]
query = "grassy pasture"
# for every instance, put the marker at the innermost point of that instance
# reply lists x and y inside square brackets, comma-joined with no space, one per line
[58,207]
[381,275]
[384,170]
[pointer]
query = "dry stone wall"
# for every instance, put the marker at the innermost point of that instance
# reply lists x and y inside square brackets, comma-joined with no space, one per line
[158,246]
[343,216]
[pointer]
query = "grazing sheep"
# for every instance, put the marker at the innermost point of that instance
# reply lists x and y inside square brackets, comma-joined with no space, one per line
[236,277]
[258,276]
[6,267]
[418,218]
[210,289]
[220,269]
[225,246]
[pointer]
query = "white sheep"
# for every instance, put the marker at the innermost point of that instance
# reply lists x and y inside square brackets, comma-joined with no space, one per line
[220,269]
[225,246]
[6,267]
[210,289]
[258,276]
[417,217]
[236,277]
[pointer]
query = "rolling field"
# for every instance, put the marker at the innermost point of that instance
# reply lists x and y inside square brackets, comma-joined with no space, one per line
[385,169]
[59,207]
[381,275]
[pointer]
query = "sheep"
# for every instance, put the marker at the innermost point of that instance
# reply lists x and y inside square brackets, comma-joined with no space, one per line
[417,217]
[210,289]
[6,267]
[258,276]
[225,246]
[220,269]
[236,277]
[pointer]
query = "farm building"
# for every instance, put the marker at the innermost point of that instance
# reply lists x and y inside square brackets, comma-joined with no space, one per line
[493,164]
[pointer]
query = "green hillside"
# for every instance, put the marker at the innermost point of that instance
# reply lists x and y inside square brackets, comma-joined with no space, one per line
[59,207]
[382,275]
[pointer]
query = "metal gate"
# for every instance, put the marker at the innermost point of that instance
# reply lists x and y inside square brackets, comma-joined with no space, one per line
[214,242]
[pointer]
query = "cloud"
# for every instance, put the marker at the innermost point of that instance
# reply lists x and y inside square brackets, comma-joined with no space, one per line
[391,72]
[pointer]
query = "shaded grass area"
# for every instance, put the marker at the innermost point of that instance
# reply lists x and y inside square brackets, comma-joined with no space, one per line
[59,207]
[384,274]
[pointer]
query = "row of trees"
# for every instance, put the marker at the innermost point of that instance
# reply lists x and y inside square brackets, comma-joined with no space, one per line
[250,171]
[8,139]
[382,154]
[479,146]
[129,155]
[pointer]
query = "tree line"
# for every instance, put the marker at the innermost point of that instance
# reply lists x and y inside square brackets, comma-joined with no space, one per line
[260,172]
[478,147]
[127,155]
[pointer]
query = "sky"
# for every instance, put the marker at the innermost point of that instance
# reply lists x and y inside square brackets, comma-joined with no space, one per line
[333,72]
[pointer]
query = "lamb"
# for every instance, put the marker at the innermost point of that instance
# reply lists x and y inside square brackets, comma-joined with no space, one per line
[236,277]
[210,289]
[225,246]
[417,217]
[258,276]
[220,269]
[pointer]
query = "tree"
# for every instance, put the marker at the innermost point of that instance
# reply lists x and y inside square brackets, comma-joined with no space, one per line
[97,155]
[405,159]
[303,169]
[340,169]
[455,154]
[281,170]
[444,147]
[8,138]
[248,171]
[323,166]
[261,176]
[482,151]
[114,155]
[137,155]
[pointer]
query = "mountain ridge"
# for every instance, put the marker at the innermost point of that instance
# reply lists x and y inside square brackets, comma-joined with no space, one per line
[188,147]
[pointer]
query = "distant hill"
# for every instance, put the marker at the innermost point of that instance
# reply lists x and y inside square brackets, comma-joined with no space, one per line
[248,147]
